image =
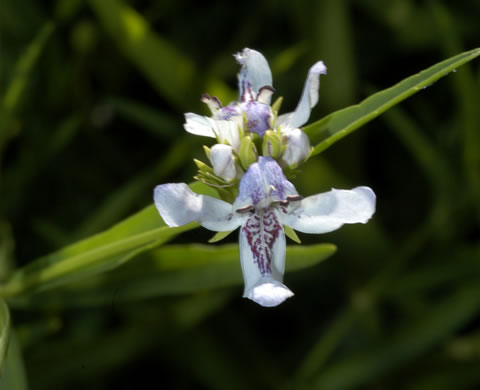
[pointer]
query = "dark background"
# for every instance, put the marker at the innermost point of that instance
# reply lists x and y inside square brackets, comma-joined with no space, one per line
[99,123]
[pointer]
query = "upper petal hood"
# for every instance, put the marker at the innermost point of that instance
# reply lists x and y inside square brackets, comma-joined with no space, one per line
[255,74]
[263,183]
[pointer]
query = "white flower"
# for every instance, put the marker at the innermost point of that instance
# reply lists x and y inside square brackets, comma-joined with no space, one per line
[255,92]
[266,202]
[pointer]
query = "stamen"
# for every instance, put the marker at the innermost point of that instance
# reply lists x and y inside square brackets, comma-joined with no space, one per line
[245,209]
[292,198]
[270,188]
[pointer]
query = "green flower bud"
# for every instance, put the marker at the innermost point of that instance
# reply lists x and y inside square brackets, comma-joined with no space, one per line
[272,144]
[247,152]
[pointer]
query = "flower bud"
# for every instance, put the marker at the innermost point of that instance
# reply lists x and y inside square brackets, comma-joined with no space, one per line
[272,144]
[222,160]
[297,147]
[247,152]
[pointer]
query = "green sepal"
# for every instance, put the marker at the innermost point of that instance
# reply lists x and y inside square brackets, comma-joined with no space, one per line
[272,144]
[290,233]
[276,106]
[202,167]
[219,236]
[207,151]
[247,152]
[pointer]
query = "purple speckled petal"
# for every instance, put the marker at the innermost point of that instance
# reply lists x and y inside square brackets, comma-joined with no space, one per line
[262,256]
[254,74]
[276,182]
[252,188]
[263,183]
[226,113]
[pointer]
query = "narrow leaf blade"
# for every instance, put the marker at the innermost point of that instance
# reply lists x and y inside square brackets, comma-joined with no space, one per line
[99,253]
[170,270]
[337,125]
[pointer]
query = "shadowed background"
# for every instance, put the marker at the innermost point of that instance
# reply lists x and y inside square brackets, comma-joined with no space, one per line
[93,97]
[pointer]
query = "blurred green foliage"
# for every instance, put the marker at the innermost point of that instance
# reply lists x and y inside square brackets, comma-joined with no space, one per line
[92,97]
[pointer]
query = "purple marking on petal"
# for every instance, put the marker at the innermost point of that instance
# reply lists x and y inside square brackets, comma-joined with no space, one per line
[252,188]
[264,179]
[212,101]
[226,113]
[254,74]
[261,231]
[258,117]
[274,178]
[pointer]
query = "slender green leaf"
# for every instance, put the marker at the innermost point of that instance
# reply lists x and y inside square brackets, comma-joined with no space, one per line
[25,66]
[145,325]
[427,155]
[457,375]
[99,253]
[337,125]
[160,61]
[115,206]
[175,269]
[13,94]
[4,330]
[7,245]
[441,320]
[314,361]
[13,376]
[467,98]
[339,88]
[219,236]
[159,124]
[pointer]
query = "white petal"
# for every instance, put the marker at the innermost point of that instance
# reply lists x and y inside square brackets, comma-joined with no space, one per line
[268,292]
[297,148]
[227,131]
[278,256]
[308,100]
[224,130]
[223,164]
[255,73]
[178,205]
[325,212]
[198,125]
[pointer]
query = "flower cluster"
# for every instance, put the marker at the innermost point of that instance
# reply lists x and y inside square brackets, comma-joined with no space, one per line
[250,126]
[254,147]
